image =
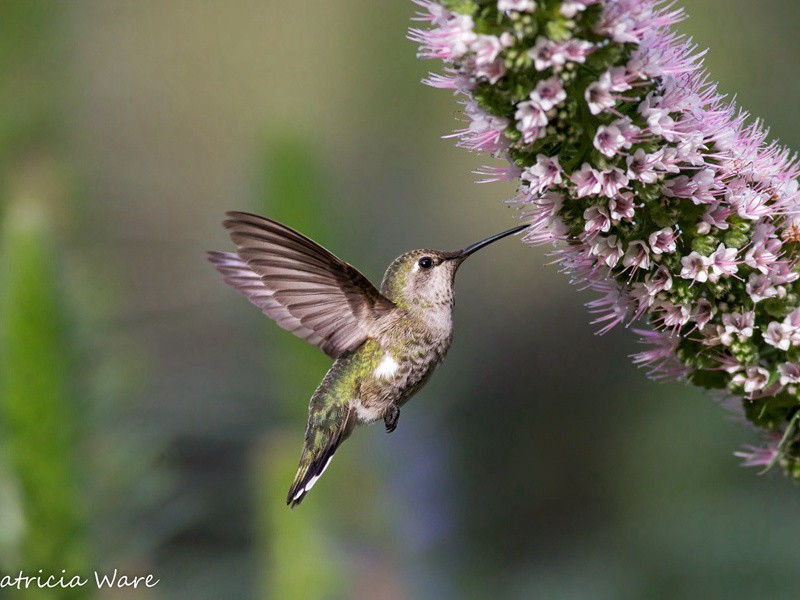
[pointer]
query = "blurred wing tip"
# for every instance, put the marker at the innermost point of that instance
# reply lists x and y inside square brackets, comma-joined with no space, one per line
[215,257]
[222,259]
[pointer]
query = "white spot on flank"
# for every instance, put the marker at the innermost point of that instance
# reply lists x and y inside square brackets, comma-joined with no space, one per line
[387,368]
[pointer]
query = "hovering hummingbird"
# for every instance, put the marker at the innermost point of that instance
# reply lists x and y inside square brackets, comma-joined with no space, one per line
[386,343]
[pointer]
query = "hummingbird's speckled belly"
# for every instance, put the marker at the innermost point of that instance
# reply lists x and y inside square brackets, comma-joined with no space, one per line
[398,376]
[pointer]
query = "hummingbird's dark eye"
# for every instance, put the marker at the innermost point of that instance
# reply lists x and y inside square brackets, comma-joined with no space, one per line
[426,262]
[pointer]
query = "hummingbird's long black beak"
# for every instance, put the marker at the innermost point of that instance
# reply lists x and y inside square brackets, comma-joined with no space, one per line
[478,245]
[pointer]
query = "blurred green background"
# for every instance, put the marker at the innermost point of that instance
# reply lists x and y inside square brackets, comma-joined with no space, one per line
[151,419]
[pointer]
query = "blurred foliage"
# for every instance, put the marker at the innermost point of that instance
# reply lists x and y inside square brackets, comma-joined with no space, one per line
[29,93]
[38,419]
[297,561]
[44,521]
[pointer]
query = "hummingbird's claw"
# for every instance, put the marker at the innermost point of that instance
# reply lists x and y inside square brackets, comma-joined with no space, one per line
[391,418]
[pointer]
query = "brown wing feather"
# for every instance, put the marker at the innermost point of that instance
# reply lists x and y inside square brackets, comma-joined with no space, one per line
[303,287]
[248,283]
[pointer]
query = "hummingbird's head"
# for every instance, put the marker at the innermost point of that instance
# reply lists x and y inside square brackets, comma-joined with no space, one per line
[421,278]
[424,278]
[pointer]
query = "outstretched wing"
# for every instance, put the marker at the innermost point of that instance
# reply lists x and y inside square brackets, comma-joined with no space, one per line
[298,283]
[248,283]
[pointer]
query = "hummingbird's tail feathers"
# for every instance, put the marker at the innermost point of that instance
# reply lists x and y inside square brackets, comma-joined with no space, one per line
[313,461]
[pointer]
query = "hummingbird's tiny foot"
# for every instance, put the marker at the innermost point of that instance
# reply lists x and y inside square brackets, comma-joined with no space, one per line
[391,418]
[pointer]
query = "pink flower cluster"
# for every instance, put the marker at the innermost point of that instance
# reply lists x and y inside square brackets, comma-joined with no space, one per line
[656,192]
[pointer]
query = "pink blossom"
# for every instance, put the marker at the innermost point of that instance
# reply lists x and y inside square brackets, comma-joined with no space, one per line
[630,132]
[752,380]
[485,132]
[737,324]
[637,256]
[792,321]
[573,7]
[666,159]
[544,174]
[714,217]
[546,225]
[492,72]
[518,5]
[722,263]
[759,287]
[621,207]
[700,188]
[659,121]
[598,95]
[450,41]
[663,241]
[782,273]
[587,181]
[790,373]
[750,204]
[753,456]
[778,335]
[457,82]
[660,281]
[546,53]
[695,266]
[552,203]
[577,50]
[486,49]
[548,93]
[660,359]
[673,316]
[763,254]
[531,120]
[702,312]
[614,305]
[641,166]
[690,146]
[680,187]
[619,78]
[498,173]
[706,187]
[793,318]
[643,299]
[612,181]
[608,140]
[597,219]
[608,249]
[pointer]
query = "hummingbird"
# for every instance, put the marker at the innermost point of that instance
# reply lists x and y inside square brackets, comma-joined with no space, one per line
[386,343]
